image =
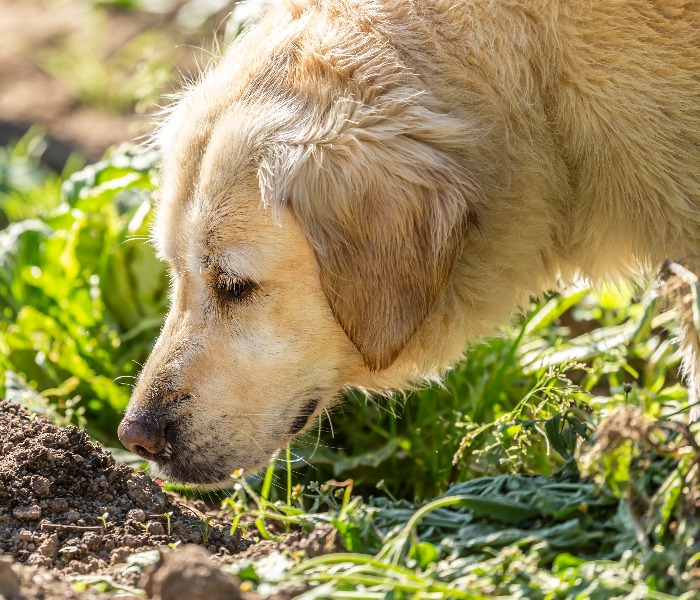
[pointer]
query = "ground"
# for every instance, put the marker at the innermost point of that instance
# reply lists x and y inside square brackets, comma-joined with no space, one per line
[68,510]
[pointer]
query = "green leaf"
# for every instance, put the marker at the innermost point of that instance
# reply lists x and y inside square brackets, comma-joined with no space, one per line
[424,553]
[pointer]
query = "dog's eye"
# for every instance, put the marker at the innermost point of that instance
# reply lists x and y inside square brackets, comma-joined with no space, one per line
[229,289]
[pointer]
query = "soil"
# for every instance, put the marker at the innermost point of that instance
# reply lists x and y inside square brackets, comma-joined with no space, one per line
[67,509]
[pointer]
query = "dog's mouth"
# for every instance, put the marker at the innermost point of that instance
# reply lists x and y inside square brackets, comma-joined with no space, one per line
[304,415]
[193,463]
[210,459]
[193,472]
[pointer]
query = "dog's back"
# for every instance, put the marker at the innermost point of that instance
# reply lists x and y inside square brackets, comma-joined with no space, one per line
[590,111]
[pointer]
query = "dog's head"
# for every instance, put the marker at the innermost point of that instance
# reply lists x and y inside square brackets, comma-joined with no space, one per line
[311,215]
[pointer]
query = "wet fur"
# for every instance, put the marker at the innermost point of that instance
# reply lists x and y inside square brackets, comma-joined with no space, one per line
[397,177]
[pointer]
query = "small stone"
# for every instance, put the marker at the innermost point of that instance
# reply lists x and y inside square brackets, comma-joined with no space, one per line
[31,512]
[58,505]
[26,536]
[72,516]
[156,528]
[137,515]
[93,541]
[77,567]
[49,546]
[120,555]
[188,574]
[39,561]
[41,485]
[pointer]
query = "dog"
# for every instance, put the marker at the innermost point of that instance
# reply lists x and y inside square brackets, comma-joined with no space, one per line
[357,188]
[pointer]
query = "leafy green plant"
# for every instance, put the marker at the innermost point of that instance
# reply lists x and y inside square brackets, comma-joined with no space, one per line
[561,536]
[81,295]
[28,188]
[518,403]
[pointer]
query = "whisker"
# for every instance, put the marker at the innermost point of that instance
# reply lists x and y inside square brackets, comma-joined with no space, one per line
[135,238]
[330,423]
[254,441]
[297,458]
[318,438]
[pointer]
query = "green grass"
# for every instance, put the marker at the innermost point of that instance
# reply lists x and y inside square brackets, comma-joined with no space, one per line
[552,463]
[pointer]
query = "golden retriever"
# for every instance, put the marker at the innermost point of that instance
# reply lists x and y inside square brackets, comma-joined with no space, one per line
[359,187]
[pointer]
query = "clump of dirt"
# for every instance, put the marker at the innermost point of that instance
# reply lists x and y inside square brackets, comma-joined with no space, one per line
[24,582]
[65,503]
[188,575]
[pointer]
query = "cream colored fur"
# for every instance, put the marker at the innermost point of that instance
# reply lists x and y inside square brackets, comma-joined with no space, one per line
[396,177]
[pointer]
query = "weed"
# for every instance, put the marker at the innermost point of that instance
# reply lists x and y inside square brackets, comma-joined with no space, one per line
[103,518]
[27,188]
[204,528]
[167,516]
[79,301]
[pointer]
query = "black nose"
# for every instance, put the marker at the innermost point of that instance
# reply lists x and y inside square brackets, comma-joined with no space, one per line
[142,437]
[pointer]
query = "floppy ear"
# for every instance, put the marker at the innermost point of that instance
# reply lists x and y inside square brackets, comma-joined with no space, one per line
[386,211]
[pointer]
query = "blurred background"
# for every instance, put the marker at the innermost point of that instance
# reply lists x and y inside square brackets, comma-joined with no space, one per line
[90,73]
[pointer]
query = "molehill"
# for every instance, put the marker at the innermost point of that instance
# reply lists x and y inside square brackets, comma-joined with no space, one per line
[65,503]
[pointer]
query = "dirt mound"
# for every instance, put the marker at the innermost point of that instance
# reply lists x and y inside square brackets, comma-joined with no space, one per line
[65,503]
[188,575]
